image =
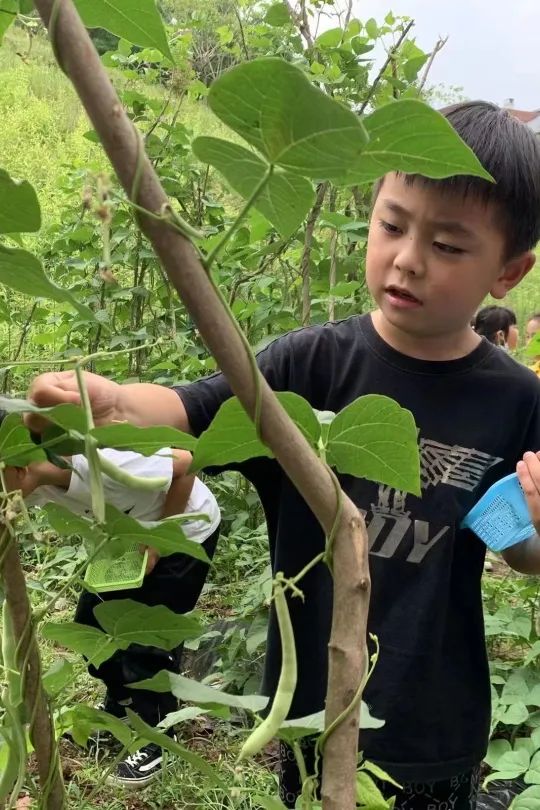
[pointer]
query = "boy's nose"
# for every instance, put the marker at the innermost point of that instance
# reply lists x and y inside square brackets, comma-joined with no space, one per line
[409,259]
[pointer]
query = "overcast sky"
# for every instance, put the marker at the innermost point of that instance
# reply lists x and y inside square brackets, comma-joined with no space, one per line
[492,53]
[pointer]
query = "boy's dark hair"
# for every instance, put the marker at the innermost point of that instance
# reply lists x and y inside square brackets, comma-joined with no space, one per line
[510,152]
[490,320]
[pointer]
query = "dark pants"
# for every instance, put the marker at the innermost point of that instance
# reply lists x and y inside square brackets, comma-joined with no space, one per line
[457,793]
[176,582]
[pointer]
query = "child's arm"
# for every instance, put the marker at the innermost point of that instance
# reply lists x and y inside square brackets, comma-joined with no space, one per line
[525,557]
[181,485]
[177,496]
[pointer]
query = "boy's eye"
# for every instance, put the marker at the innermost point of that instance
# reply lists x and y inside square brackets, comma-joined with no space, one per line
[388,227]
[444,248]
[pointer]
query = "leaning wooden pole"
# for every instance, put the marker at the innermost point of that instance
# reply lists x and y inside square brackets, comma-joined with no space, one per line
[347,654]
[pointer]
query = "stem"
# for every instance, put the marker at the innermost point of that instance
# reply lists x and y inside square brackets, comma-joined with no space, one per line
[306,254]
[308,474]
[259,188]
[42,733]
[391,56]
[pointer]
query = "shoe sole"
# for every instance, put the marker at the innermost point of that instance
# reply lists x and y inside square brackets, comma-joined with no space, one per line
[131,784]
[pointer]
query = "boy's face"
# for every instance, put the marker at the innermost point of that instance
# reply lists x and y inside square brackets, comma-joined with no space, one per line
[432,258]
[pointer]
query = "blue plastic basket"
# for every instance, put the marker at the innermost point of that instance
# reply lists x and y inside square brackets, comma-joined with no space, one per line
[501,517]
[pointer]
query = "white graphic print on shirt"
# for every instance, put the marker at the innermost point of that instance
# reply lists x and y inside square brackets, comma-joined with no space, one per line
[391,522]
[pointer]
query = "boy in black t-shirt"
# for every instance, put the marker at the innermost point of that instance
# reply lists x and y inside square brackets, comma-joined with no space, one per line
[435,250]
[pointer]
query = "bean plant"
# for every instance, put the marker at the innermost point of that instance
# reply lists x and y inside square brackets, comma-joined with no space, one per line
[298,130]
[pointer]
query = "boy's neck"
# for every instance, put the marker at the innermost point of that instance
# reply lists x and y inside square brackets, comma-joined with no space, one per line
[435,347]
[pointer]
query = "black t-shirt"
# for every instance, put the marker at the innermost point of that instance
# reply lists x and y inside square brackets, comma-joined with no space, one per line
[476,417]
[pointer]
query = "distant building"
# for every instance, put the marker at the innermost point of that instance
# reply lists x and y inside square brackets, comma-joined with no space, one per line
[529,117]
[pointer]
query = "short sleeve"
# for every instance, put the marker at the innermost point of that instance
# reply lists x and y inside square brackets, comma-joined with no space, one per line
[203,398]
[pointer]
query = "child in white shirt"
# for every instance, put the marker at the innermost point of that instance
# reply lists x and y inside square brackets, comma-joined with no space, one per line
[175,581]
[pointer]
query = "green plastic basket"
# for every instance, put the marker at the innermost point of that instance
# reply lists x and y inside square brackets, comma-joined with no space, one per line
[117,574]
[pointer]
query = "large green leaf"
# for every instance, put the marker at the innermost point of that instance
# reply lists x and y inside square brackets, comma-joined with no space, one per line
[144,440]
[138,21]
[155,626]
[166,536]
[285,200]
[21,271]
[273,105]
[232,438]
[150,734]
[408,136]
[19,206]
[194,692]
[87,641]
[69,417]
[8,14]
[16,446]
[375,438]
[86,719]
[66,524]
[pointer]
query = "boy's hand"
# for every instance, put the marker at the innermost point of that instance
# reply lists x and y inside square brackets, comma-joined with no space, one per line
[57,388]
[151,560]
[528,472]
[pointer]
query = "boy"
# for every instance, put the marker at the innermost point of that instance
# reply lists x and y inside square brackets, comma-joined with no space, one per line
[175,581]
[435,250]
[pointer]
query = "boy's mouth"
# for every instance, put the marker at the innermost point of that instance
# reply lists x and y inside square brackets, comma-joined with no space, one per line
[400,297]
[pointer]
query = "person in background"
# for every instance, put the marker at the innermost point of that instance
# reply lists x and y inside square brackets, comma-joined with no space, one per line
[533,326]
[499,326]
[175,581]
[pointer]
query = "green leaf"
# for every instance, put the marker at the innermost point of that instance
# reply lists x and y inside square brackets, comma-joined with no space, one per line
[532,777]
[232,438]
[412,66]
[21,271]
[87,719]
[16,446]
[277,15]
[372,29]
[269,803]
[276,109]
[58,676]
[19,206]
[330,39]
[138,21]
[292,730]
[127,621]
[379,773]
[166,536]
[87,641]
[368,794]
[514,715]
[150,734]
[528,800]
[65,523]
[513,760]
[194,692]
[144,440]
[375,438]
[408,136]
[516,688]
[285,200]
[8,14]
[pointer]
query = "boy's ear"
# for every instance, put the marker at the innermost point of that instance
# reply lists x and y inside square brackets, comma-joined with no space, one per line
[513,272]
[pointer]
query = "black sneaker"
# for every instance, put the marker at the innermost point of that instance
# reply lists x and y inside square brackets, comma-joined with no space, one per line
[139,768]
[102,738]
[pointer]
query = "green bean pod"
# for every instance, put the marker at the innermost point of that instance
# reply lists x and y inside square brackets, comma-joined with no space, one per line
[128,480]
[269,727]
